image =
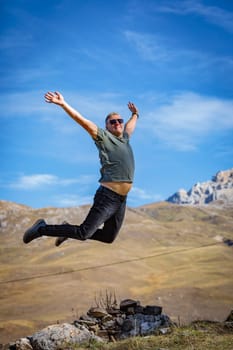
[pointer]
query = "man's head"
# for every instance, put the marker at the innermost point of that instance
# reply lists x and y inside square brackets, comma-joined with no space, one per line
[114,124]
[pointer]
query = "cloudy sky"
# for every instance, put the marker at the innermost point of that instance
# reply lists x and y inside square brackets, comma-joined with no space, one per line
[173,59]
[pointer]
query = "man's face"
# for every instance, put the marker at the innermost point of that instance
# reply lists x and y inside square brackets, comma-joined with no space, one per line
[115,125]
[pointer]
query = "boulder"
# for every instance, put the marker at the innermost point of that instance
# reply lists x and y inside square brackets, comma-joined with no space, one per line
[57,337]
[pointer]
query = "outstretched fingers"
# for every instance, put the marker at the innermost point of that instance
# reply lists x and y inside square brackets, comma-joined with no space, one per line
[54,97]
[132,107]
[49,96]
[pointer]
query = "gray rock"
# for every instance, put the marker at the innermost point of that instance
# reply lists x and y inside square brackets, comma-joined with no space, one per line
[56,337]
[97,312]
[149,327]
[128,303]
[164,330]
[23,344]
[152,310]
[128,325]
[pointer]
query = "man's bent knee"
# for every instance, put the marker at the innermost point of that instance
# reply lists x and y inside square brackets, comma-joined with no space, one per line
[109,240]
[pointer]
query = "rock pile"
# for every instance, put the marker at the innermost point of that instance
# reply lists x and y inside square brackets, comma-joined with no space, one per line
[131,319]
[219,189]
[99,324]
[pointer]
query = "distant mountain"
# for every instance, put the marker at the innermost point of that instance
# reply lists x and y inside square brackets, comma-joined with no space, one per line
[218,191]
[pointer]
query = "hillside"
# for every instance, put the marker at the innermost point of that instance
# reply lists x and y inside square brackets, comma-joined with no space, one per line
[166,254]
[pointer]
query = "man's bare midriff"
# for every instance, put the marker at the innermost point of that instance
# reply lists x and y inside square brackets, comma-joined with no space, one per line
[121,188]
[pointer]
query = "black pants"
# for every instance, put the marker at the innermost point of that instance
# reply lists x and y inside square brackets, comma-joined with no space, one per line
[108,209]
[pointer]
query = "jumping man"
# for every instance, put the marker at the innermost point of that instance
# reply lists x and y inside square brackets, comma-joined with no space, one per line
[117,172]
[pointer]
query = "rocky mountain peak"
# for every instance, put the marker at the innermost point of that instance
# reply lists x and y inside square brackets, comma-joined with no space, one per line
[225,176]
[218,190]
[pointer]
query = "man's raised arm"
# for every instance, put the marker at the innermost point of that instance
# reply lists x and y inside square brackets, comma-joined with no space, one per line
[58,99]
[131,123]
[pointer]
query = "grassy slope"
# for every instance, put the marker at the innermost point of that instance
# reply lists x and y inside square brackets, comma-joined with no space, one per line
[166,255]
[199,336]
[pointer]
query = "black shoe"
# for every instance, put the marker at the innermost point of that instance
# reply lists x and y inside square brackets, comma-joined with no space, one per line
[60,240]
[33,231]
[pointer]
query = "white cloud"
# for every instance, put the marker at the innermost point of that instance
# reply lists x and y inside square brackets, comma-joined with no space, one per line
[138,194]
[36,181]
[161,51]
[23,104]
[187,118]
[148,46]
[69,200]
[212,14]
[97,104]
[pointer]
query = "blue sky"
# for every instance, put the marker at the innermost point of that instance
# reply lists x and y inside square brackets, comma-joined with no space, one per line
[173,59]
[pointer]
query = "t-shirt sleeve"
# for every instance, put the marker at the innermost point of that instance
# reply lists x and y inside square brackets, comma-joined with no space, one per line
[100,135]
[126,135]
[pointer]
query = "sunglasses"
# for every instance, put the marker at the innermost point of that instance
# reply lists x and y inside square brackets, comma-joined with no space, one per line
[114,121]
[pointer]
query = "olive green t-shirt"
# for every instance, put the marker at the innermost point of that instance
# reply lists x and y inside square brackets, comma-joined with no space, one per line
[116,157]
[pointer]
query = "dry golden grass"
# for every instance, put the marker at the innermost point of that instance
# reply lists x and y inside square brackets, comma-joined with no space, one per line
[166,255]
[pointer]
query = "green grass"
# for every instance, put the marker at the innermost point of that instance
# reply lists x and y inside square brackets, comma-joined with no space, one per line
[198,336]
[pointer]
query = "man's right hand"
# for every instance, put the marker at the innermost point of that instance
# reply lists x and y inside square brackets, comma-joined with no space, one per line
[54,97]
